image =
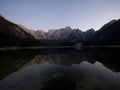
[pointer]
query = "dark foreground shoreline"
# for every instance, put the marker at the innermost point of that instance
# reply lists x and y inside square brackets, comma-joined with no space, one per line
[42,47]
[57,47]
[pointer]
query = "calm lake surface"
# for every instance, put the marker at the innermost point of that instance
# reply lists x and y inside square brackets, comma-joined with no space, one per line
[60,69]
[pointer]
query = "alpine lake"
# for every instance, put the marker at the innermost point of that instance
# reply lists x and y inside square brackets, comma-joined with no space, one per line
[60,69]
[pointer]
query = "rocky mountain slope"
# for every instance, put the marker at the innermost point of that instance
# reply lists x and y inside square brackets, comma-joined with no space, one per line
[13,35]
[64,36]
[18,35]
[109,34]
[30,31]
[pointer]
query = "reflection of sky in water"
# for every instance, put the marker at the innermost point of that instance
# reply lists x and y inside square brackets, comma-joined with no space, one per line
[48,75]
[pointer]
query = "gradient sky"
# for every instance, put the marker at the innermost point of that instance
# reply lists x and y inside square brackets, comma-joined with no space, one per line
[53,14]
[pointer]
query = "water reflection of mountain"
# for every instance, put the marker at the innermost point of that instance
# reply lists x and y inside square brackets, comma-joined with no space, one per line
[62,59]
[62,70]
[11,61]
[110,57]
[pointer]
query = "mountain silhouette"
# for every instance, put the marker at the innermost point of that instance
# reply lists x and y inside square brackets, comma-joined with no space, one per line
[12,34]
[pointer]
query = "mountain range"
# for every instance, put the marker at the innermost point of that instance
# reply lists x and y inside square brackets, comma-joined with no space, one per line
[12,34]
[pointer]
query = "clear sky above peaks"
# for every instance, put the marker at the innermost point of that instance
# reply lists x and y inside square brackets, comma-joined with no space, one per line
[53,14]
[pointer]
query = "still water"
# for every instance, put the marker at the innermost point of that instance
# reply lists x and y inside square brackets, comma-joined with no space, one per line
[64,69]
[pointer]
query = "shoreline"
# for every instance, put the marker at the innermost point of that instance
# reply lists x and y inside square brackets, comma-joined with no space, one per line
[57,47]
[42,47]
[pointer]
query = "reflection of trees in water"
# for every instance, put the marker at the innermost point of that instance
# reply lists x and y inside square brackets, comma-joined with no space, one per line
[110,57]
[11,61]
[62,59]
[59,77]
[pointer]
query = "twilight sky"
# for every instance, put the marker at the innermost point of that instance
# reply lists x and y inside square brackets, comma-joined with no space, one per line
[53,14]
